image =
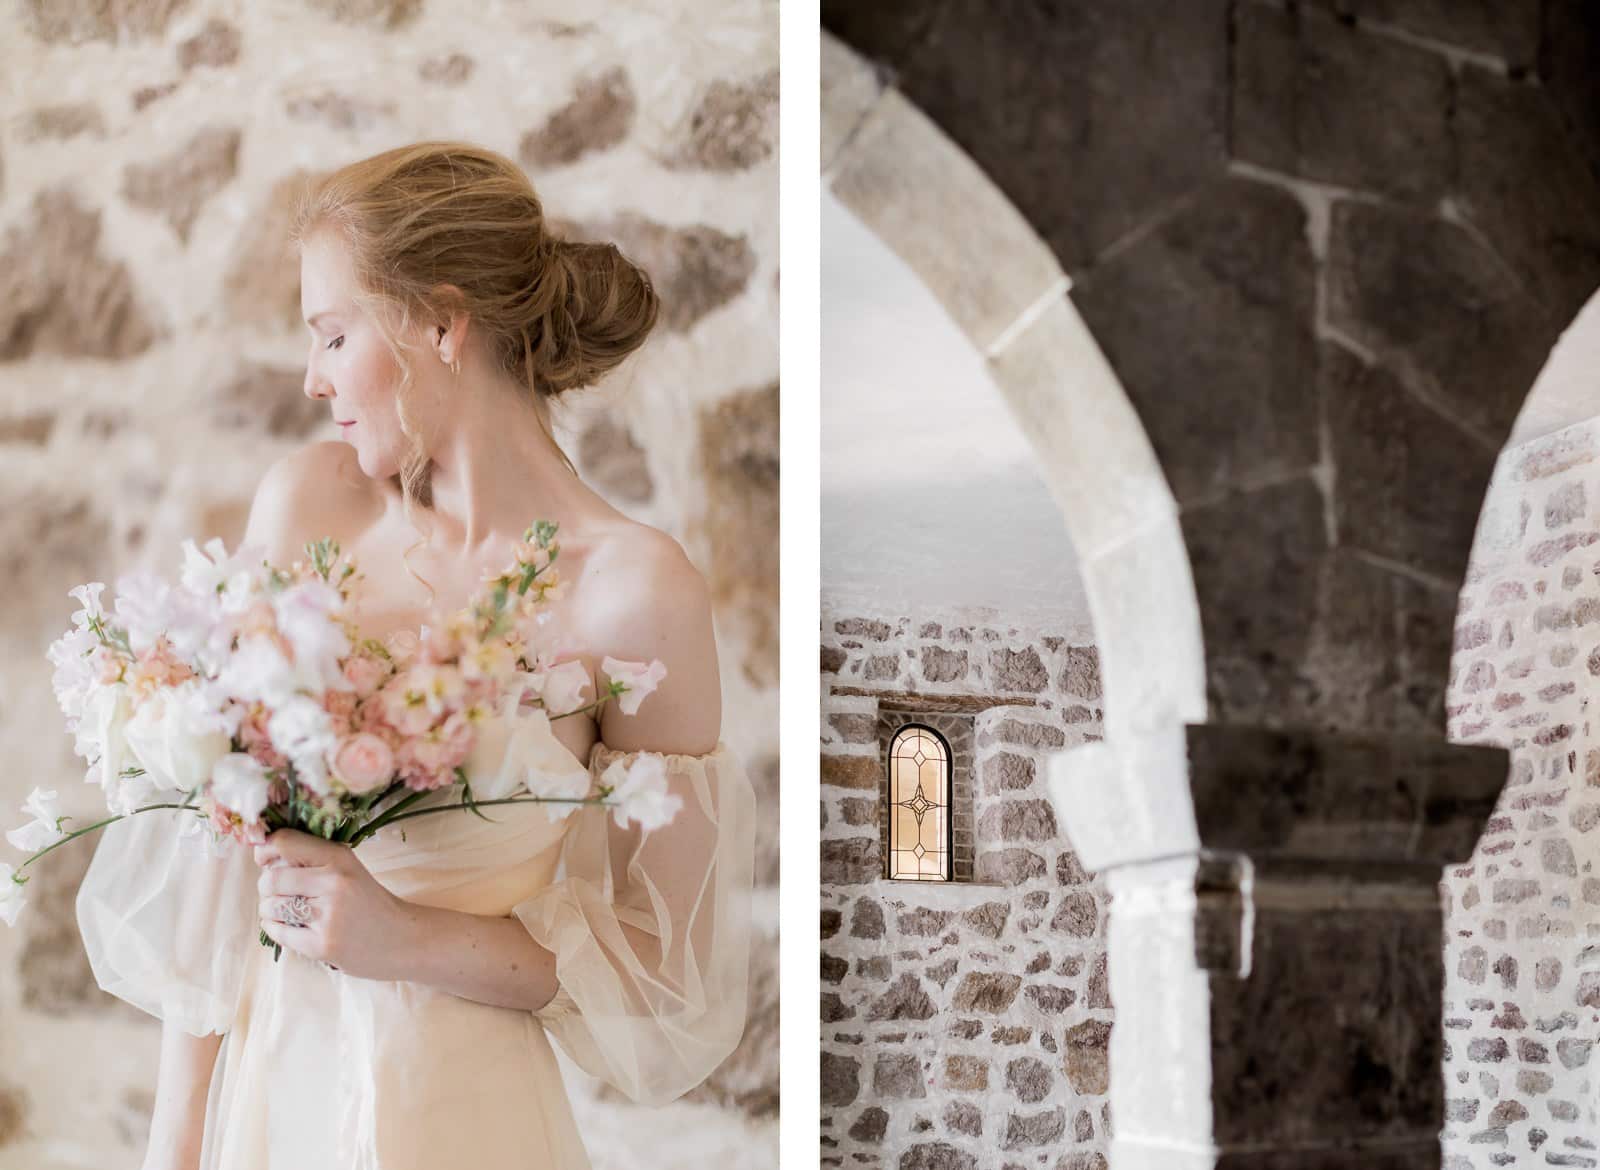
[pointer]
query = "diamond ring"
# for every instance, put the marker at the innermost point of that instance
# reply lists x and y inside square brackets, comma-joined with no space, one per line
[298,911]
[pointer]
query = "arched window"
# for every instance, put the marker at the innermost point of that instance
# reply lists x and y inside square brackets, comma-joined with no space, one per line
[920,840]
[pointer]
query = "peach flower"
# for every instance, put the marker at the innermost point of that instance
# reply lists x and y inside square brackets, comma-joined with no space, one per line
[366,673]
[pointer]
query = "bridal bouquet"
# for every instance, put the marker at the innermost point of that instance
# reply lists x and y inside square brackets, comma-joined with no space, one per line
[245,693]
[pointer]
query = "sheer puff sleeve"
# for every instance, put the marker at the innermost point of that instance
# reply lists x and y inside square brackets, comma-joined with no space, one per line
[168,918]
[651,932]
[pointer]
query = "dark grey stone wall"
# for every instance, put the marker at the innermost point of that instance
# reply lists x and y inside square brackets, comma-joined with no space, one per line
[1306,238]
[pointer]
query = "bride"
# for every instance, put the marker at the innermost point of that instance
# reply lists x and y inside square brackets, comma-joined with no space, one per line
[408,1023]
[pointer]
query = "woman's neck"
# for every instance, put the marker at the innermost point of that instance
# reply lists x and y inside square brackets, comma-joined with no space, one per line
[494,464]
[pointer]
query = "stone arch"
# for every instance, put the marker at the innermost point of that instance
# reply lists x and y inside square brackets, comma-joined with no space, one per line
[925,197]
[1302,237]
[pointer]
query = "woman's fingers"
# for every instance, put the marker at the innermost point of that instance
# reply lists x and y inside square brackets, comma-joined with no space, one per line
[290,938]
[277,909]
[294,879]
[292,847]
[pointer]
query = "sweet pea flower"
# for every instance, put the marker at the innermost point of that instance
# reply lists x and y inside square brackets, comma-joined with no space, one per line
[517,749]
[639,792]
[212,573]
[88,596]
[240,784]
[259,671]
[11,899]
[144,607]
[45,828]
[306,619]
[639,678]
[561,687]
[303,731]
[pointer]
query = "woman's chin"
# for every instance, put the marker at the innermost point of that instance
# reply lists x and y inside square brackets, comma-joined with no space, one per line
[371,466]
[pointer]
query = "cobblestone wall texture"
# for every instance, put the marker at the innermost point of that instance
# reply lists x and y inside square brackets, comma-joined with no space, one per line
[1522,1012]
[964,1025]
[152,358]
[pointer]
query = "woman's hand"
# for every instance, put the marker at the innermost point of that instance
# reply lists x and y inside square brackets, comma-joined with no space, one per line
[354,923]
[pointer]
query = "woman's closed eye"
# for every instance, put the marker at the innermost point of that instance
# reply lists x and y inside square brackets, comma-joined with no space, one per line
[339,341]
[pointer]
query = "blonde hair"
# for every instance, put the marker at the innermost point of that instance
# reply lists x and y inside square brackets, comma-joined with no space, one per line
[552,314]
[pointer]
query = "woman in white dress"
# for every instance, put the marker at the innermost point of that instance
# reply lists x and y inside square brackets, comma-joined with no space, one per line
[408,1023]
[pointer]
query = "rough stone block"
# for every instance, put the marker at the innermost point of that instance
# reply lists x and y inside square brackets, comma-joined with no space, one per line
[851,861]
[1031,96]
[1322,101]
[1310,1047]
[1548,231]
[1410,484]
[1436,307]
[1227,284]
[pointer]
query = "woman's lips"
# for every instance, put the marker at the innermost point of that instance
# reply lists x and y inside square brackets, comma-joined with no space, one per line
[351,423]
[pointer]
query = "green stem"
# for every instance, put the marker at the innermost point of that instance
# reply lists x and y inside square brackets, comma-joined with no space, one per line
[600,702]
[385,817]
[97,825]
[422,812]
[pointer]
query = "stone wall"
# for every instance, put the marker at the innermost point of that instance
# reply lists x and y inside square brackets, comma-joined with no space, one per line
[152,356]
[1520,1008]
[964,1024]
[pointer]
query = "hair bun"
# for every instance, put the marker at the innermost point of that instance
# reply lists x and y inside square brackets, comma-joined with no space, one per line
[602,308]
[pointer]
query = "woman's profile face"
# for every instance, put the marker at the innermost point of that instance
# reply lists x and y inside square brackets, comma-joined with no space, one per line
[349,365]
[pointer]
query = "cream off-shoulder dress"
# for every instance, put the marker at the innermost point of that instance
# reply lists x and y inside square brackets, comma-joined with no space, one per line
[319,1070]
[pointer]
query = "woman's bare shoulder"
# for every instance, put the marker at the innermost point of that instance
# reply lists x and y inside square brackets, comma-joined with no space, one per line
[314,491]
[644,600]
[639,588]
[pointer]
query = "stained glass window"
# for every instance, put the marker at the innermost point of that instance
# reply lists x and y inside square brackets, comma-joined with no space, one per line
[919,805]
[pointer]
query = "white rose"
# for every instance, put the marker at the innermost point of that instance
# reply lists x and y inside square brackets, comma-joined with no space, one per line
[176,750]
[240,784]
[513,752]
[43,830]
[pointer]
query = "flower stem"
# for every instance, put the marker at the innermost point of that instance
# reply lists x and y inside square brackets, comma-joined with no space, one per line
[385,817]
[422,812]
[93,827]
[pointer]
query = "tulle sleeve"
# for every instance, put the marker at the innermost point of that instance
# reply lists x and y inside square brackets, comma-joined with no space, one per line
[168,918]
[652,943]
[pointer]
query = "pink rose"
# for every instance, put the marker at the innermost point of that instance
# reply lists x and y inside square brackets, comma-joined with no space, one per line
[363,762]
[365,673]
